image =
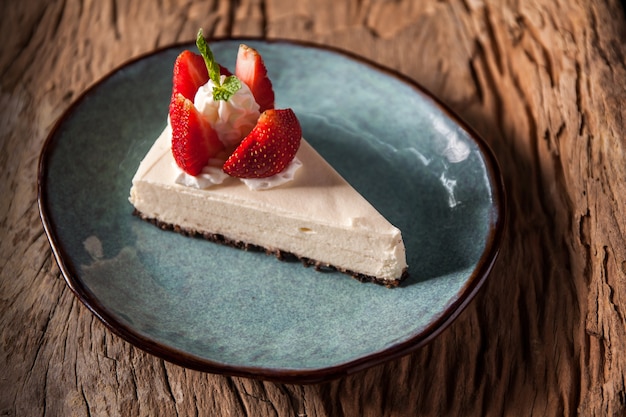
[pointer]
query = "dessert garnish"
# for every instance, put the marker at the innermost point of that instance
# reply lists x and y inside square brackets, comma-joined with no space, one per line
[250,69]
[269,148]
[258,140]
[194,141]
[222,90]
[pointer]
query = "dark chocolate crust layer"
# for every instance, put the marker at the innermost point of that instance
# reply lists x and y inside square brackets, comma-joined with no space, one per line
[280,254]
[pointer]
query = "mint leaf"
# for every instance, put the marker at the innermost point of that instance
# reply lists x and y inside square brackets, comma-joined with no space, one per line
[231,84]
[212,66]
[225,91]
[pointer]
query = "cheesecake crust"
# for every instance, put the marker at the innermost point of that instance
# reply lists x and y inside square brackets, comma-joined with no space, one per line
[279,254]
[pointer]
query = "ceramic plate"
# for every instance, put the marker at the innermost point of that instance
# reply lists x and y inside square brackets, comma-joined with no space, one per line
[223,310]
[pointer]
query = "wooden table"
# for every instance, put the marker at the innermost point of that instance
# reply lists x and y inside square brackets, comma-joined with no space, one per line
[543,81]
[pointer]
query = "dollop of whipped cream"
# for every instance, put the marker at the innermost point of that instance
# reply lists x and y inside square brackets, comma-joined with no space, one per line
[283,177]
[212,174]
[232,119]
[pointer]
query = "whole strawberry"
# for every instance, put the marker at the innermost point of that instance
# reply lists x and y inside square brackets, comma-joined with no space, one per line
[269,148]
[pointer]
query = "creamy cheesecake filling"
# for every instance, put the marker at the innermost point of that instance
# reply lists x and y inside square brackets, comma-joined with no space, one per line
[316,216]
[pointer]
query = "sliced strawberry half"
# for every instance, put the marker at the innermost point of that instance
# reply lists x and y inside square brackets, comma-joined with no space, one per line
[250,69]
[190,73]
[194,141]
[269,148]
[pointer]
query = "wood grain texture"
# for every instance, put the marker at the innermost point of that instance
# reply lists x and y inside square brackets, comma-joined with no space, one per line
[543,81]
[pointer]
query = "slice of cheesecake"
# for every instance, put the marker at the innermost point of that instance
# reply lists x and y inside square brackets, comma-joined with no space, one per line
[318,216]
[233,169]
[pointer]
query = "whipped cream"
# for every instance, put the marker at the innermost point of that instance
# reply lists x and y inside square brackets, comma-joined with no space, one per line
[232,119]
[212,174]
[283,177]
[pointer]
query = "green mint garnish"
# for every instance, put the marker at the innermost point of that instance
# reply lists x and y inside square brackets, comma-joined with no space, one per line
[230,86]
[221,91]
[207,54]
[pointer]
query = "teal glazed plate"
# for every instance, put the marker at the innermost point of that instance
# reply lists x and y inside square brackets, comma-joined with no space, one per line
[218,309]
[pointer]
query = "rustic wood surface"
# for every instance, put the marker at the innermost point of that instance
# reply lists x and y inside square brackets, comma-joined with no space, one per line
[543,81]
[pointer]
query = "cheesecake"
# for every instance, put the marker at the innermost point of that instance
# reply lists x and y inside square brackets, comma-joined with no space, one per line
[260,186]
[318,217]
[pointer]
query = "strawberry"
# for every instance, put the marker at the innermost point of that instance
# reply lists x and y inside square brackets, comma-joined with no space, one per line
[194,141]
[269,148]
[250,69]
[190,73]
